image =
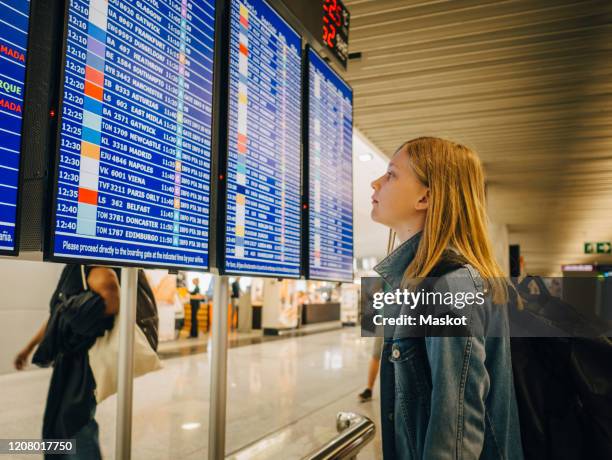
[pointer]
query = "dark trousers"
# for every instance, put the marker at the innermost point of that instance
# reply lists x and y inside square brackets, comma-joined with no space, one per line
[195,306]
[87,443]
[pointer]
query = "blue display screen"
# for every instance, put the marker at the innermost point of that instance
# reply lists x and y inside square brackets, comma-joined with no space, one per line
[14,21]
[264,138]
[330,175]
[133,181]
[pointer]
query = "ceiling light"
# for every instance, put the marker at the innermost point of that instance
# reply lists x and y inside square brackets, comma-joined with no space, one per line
[191,425]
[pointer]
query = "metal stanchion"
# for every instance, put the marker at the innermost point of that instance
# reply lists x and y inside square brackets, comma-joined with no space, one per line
[125,375]
[355,431]
[218,370]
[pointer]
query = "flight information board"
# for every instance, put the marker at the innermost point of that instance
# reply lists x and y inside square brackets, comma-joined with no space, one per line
[133,177]
[330,173]
[14,23]
[262,220]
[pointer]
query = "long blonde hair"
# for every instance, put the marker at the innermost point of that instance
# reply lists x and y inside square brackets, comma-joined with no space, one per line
[456,216]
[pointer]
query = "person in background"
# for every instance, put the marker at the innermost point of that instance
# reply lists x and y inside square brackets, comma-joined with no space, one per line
[235,298]
[451,396]
[195,300]
[82,308]
[366,395]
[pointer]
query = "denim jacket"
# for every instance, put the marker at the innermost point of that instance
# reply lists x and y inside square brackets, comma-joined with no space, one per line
[446,397]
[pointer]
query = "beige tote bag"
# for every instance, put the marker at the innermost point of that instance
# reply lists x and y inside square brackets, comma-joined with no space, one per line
[104,356]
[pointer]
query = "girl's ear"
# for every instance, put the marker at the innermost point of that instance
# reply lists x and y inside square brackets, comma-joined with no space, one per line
[423,203]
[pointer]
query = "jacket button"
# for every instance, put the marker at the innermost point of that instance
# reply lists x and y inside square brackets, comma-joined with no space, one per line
[395,353]
[390,416]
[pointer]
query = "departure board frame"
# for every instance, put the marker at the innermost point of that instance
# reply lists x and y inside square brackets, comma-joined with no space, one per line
[49,245]
[224,140]
[17,228]
[306,205]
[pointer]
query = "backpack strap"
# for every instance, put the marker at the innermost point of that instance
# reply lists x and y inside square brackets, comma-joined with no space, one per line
[83,277]
[449,262]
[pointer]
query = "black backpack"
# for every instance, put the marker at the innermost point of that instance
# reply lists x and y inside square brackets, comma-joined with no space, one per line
[147,317]
[563,385]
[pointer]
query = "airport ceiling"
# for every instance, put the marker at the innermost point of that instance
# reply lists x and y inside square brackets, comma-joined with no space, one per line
[527,84]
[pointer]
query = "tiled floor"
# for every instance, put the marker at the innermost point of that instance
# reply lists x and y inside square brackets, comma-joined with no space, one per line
[283,397]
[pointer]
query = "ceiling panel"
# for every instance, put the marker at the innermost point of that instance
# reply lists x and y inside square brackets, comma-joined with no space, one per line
[526,84]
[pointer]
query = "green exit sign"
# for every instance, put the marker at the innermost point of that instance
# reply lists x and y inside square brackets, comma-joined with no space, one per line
[603,247]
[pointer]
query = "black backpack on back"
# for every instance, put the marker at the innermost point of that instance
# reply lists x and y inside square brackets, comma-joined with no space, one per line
[146,311]
[563,385]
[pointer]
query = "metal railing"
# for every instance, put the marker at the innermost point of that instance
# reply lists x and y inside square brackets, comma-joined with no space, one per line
[354,432]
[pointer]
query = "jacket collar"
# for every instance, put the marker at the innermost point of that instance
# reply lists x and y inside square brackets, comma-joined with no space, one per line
[392,267]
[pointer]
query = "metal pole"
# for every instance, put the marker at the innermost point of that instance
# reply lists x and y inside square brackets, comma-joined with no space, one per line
[218,371]
[355,431]
[125,374]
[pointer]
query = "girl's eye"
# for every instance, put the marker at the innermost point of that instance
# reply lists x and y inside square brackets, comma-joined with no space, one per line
[389,174]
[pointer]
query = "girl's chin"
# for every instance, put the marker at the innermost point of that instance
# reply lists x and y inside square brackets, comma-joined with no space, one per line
[374,215]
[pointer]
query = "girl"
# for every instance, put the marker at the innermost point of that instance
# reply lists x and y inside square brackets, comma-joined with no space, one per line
[443,397]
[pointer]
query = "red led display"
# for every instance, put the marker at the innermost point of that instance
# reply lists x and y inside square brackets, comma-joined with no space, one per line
[336,19]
